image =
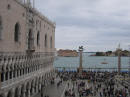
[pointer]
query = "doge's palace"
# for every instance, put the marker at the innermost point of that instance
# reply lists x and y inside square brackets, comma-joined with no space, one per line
[27,47]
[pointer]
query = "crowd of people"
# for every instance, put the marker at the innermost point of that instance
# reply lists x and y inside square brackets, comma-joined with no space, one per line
[107,86]
[69,93]
[91,84]
[102,84]
[83,90]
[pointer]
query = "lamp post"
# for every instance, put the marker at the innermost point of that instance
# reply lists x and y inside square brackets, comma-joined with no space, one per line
[80,60]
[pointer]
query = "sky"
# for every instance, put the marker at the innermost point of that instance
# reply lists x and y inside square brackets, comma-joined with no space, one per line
[98,25]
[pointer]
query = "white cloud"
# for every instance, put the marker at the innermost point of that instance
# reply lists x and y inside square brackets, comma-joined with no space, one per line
[97,24]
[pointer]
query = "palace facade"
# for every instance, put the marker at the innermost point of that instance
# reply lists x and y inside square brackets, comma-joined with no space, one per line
[27,47]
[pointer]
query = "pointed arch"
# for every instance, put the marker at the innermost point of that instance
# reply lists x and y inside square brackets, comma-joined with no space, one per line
[17,32]
[51,42]
[38,38]
[1,27]
[30,39]
[10,93]
[45,40]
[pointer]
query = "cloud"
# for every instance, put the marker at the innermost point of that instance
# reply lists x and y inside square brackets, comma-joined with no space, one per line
[96,24]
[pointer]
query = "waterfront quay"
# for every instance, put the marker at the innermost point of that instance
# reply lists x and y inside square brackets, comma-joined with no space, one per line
[91,84]
[110,69]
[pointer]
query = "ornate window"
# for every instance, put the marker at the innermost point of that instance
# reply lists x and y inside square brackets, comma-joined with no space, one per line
[1,27]
[51,42]
[17,32]
[30,39]
[45,40]
[38,38]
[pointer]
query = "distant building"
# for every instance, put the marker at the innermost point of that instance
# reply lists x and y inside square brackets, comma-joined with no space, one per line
[67,53]
[27,47]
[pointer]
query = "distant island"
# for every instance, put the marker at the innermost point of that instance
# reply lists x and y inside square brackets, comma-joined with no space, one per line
[67,53]
[112,53]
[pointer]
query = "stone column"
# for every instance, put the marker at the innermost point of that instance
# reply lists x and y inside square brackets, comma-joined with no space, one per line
[39,89]
[42,89]
[15,73]
[18,95]
[11,74]
[25,71]
[23,94]
[80,61]
[119,50]
[36,88]
[3,76]
[28,93]
[45,82]
[32,90]
[8,75]
[19,72]
[119,61]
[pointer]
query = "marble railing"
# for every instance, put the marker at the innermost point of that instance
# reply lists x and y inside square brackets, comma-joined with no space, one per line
[11,58]
[24,78]
[10,62]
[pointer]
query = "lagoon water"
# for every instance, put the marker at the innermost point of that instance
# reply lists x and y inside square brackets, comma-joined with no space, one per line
[91,62]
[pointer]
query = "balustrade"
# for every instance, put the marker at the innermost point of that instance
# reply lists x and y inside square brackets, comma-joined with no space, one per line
[16,66]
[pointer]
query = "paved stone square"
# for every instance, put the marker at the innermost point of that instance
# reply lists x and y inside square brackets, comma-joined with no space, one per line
[54,91]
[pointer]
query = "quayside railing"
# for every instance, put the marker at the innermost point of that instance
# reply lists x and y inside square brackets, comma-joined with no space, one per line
[92,69]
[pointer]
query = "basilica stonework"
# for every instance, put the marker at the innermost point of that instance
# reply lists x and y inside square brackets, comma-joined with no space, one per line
[27,48]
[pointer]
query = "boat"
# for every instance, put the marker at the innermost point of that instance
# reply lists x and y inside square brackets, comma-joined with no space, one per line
[104,62]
